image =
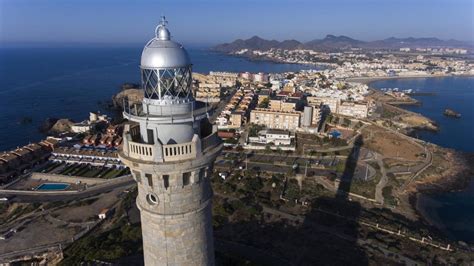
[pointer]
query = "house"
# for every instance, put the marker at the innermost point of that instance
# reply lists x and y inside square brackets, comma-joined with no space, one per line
[273,136]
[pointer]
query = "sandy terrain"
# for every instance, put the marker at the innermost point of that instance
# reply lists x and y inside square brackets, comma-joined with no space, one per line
[390,144]
[40,232]
[88,211]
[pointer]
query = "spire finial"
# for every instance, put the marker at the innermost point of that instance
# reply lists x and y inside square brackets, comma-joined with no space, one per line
[163,21]
[161,31]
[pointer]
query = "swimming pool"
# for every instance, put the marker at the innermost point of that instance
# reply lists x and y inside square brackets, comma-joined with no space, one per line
[335,133]
[52,186]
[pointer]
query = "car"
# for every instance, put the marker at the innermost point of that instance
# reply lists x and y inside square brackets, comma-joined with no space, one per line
[4,199]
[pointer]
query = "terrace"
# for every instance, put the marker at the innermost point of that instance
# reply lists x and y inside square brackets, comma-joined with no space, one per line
[135,149]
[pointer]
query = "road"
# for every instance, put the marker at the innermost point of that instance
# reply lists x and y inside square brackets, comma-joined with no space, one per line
[36,196]
[283,163]
[383,180]
[418,169]
[221,105]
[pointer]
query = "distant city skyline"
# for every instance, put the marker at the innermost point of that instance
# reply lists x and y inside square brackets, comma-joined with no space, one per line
[209,22]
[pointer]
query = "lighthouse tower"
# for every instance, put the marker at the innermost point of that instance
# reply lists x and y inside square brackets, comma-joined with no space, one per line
[170,147]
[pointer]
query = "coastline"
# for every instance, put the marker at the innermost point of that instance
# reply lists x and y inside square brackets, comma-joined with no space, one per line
[369,80]
[458,180]
[277,61]
[454,182]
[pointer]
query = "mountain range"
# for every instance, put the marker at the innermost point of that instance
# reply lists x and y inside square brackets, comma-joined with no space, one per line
[334,43]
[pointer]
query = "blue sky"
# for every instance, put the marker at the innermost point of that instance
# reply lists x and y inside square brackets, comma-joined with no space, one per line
[213,21]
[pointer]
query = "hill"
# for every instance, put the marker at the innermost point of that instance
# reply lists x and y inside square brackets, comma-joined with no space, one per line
[335,43]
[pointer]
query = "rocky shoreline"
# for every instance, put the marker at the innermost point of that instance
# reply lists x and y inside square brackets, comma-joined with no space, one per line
[456,181]
[456,178]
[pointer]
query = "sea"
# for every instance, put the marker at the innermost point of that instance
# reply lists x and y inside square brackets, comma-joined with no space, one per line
[452,212]
[70,82]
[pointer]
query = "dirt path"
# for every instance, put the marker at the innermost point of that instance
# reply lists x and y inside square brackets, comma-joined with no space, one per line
[383,180]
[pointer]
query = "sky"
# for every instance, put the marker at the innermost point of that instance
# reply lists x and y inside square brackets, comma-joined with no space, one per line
[217,21]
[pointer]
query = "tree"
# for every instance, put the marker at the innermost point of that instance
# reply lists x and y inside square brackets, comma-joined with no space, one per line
[279,150]
[239,148]
[268,149]
[292,190]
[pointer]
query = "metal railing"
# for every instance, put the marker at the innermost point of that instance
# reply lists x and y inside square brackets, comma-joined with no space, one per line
[141,110]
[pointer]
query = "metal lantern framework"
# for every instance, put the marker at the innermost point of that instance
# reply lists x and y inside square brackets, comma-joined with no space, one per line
[167,84]
[166,70]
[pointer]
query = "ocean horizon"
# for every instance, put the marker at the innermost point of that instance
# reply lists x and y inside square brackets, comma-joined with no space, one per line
[70,82]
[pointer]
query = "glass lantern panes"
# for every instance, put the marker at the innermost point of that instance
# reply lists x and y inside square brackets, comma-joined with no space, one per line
[172,83]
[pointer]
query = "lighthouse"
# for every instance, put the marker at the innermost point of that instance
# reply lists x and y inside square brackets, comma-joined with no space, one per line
[170,147]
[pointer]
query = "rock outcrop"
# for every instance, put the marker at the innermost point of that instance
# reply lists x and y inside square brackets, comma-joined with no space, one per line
[130,91]
[61,126]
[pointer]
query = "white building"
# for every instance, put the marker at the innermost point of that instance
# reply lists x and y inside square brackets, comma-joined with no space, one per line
[358,110]
[81,127]
[274,137]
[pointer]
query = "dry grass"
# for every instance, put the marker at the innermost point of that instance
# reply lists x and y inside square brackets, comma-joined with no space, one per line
[389,144]
[86,211]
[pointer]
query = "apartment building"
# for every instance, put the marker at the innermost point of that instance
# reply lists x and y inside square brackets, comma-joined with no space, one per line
[289,120]
[328,102]
[355,109]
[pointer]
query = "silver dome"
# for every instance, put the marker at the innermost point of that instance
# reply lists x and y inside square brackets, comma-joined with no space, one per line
[161,52]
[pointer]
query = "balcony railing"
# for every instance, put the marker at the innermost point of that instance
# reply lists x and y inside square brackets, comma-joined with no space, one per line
[157,152]
[181,151]
[199,110]
[141,151]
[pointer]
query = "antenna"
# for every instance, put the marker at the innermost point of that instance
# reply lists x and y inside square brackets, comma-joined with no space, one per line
[163,21]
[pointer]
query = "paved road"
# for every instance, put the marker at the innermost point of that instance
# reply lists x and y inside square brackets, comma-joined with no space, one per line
[383,180]
[214,113]
[281,163]
[35,196]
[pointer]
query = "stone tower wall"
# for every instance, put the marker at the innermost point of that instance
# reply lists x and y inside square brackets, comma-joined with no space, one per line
[177,221]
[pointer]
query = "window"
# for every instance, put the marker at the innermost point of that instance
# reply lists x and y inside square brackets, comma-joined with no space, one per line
[150,180]
[152,199]
[186,178]
[166,181]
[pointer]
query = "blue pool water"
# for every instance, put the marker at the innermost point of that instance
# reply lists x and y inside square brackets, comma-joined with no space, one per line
[335,134]
[52,186]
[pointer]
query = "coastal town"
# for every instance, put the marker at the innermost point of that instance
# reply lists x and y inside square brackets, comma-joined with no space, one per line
[295,144]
